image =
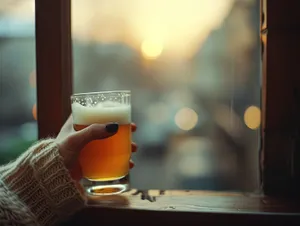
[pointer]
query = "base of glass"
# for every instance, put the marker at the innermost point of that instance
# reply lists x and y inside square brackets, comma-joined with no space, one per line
[102,188]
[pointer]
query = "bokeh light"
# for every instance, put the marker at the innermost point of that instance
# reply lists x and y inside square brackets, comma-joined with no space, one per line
[186,119]
[252,117]
[34,112]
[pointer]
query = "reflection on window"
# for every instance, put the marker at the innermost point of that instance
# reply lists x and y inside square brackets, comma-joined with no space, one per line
[18,127]
[194,72]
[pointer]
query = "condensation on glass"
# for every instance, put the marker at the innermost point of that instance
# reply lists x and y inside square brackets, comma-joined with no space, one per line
[193,68]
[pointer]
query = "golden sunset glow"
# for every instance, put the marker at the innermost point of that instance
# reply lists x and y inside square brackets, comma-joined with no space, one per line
[182,25]
[151,48]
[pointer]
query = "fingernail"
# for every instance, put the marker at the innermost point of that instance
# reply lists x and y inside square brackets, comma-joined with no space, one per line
[112,128]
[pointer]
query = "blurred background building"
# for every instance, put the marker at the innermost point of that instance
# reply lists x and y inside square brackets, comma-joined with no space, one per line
[193,67]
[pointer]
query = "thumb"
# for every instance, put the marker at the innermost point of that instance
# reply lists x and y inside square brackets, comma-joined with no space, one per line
[79,139]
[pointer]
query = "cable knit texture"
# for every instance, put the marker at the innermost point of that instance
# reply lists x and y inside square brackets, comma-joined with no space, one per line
[37,189]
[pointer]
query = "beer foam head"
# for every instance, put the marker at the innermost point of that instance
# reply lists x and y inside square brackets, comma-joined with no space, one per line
[101,113]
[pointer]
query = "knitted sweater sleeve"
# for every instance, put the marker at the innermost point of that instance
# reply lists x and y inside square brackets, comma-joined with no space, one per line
[36,188]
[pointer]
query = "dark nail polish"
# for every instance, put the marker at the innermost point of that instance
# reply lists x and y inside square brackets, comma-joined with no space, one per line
[112,127]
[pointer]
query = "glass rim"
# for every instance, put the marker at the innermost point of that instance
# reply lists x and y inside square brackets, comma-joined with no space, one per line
[128,92]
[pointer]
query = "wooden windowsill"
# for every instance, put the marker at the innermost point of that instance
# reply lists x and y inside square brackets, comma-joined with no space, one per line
[188,207]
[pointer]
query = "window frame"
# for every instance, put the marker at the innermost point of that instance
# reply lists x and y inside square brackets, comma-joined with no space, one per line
[53,64]
[280,157]
[280,165]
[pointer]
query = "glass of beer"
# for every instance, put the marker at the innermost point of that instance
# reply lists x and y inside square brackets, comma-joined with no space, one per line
[104,163]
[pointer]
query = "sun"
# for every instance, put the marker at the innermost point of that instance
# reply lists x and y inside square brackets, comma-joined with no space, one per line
[151,48]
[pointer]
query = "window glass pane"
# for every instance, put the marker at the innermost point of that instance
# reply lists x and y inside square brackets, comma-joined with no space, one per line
[18,127]
[193,67]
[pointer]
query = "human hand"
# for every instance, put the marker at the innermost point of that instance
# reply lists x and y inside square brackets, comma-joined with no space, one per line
[71,142]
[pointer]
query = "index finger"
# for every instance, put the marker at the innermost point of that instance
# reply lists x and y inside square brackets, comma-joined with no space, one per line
[133,127]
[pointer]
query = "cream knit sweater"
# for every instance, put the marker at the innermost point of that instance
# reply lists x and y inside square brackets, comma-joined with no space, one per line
[36,188]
